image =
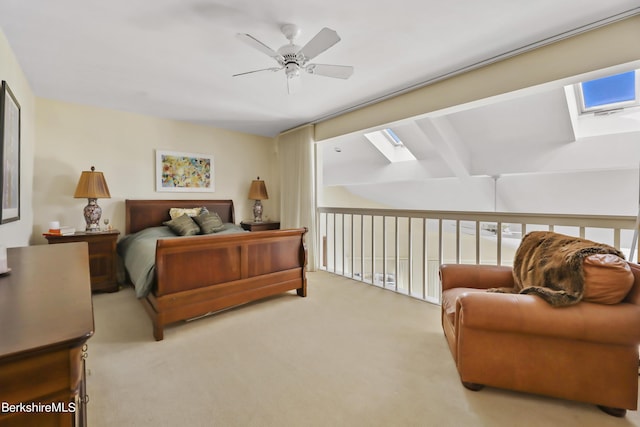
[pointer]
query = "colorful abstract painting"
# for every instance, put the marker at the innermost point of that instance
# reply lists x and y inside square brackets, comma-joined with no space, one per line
[189,172]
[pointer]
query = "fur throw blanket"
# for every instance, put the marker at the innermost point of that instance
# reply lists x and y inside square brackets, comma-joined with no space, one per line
[549,265]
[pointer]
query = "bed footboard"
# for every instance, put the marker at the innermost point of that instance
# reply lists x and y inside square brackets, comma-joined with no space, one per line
[203,274]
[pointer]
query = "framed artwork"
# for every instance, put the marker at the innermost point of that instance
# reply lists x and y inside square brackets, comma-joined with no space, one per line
[184,172]
[9,155]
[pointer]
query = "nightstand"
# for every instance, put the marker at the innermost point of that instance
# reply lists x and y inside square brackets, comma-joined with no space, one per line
[102,256]
[260,226]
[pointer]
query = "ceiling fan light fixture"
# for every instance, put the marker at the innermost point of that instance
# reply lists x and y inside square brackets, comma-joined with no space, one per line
[292,70]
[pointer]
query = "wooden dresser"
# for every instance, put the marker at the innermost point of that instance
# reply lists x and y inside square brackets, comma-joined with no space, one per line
[46,318]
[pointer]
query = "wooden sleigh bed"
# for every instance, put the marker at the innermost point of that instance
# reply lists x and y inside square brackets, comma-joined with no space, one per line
[197,275]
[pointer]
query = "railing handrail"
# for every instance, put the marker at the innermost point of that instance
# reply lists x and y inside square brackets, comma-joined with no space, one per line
[606,221]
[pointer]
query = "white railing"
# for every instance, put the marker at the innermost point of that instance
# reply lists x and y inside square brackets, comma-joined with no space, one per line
[402,249]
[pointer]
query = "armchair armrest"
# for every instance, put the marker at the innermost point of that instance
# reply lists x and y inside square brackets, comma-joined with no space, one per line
[475,276]
[529,314]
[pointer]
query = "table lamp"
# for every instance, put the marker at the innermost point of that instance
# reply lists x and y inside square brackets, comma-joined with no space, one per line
[258,192]
[92,186]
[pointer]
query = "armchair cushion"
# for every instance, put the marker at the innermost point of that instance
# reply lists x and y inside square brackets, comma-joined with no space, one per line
[607,278]
[528,315]
[449,298]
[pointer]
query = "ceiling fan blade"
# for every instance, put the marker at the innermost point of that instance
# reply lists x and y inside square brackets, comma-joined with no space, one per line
[335,71]
[319,43]
[257,71]
[257,44]
[294,83]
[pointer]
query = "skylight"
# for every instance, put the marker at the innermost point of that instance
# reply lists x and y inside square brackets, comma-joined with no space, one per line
[390,145]
[609,93]
[393,138]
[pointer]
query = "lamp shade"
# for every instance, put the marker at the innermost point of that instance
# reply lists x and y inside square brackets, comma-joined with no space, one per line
[92,185]
[258,190]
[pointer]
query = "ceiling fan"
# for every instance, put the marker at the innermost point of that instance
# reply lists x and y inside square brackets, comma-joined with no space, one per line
[292,58]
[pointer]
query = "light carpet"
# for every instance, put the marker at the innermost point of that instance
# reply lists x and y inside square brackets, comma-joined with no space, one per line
[349,354]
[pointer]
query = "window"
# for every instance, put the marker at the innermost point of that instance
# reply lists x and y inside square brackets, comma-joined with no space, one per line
[608,94]
[392,137]
[390,145]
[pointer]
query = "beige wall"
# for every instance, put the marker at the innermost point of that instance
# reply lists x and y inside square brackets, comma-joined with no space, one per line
[17,233]
[72,138]
[339,196]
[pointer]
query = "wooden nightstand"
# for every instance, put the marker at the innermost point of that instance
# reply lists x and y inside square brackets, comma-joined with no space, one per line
[102,256]
[260,226]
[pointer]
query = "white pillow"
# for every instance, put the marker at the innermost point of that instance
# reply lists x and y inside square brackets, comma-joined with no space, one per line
[178,212]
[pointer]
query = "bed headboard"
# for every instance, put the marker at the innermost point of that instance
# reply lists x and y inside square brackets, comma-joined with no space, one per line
[141,214]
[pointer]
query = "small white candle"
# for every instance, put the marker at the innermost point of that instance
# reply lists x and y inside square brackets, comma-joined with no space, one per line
[3,259]
[54,225]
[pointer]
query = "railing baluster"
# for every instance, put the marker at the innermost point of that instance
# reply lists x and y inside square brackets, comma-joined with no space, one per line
[499,242]
[440,247]
[327,240]
[425,258]
[477,242]
[457,241]
[409,257]
[397,255]
[335,243]
[384,251]
[342,237]
[440,255]
[361,247]
[373,248]
[353,255]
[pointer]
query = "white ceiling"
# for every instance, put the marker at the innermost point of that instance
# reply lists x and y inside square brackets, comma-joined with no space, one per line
[175,58]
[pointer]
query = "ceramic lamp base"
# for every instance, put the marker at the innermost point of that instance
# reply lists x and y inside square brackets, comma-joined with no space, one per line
[92,214]
[257,211]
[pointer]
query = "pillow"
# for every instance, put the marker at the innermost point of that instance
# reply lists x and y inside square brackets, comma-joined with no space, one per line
[607,278]
[183,226]
[209,222]
[178,212]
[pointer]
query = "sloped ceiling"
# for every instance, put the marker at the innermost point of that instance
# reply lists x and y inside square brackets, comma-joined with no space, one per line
[492,139]
[535,133]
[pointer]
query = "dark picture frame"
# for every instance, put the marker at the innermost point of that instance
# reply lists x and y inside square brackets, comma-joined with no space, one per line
[9,155]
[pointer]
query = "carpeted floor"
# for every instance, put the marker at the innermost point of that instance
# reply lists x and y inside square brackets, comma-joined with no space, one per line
[347,355]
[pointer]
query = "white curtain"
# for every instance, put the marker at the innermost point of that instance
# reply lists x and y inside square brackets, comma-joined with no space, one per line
[297,188]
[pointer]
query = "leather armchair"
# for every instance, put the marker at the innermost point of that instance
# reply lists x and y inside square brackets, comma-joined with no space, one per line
[586,352]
